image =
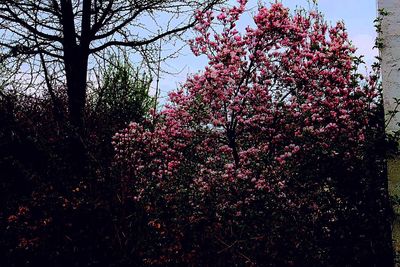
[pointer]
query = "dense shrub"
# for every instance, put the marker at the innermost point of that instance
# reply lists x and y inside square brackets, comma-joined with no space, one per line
[123,96]
[262,158]
[49,216]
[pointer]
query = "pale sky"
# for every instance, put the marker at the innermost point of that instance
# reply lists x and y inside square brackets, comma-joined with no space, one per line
[358,16]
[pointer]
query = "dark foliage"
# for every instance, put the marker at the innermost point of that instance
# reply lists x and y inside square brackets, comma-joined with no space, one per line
[49,216]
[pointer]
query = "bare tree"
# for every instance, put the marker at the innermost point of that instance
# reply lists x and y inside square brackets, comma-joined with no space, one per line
[62,36]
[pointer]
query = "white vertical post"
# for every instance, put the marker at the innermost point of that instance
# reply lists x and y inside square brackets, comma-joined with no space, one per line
[390,54]
[390,68]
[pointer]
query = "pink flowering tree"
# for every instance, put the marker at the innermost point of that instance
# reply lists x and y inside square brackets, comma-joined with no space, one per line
[256,149]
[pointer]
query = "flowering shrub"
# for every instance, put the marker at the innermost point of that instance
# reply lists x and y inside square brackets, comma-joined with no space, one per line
[257,159]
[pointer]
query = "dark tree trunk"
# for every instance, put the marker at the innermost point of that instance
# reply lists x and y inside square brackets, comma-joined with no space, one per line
[76,64]
[76,75]
[76,61]
[76,72]
[232,144]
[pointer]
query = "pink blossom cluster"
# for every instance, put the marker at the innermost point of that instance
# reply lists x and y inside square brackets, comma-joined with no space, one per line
[232,143]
